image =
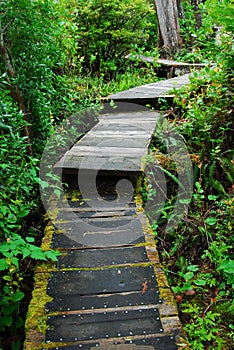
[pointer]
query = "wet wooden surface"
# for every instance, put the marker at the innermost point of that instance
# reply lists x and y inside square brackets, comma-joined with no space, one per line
[107,290]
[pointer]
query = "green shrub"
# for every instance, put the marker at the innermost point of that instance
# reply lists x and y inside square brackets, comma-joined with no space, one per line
[105,31]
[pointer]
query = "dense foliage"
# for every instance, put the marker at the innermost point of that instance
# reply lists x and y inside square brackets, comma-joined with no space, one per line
[106,30]
[58,58]
[198,254]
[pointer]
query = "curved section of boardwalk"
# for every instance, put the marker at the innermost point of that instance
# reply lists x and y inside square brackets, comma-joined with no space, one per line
[150,93]
[108,289]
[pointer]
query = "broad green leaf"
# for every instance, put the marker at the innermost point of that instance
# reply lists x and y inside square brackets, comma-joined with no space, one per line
[210,221]
[18,296]
[228,266]
[3,264]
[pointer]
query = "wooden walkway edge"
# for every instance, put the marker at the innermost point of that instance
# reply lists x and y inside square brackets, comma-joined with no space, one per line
[108,289]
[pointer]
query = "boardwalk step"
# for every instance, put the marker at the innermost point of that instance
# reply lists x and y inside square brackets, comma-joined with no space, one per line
[102,257]
[101,301]
[91,282]
[158,342]
[69,328]
[96,232]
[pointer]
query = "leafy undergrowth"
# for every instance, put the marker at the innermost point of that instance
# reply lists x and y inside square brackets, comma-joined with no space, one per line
[198,253]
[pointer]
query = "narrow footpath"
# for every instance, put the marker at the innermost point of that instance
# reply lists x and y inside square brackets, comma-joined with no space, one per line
[107,290]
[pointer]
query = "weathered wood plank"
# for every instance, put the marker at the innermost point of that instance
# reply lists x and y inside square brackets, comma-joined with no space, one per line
[147,342]
[97,209]
[104,301]
[94,326]
[131,141]
[165,62]
[94,282]
[116,164]
[153,90]
[102,257]
[107,151]
[101,214]
[92,153]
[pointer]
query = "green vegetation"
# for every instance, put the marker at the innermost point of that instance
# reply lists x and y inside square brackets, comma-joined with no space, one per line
[58,58]
[198,253]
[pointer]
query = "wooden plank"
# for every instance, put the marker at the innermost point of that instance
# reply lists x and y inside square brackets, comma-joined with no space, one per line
[94,282]
[70,221]
[106,151]
[125,347]
[103,325]
[113,119]
[124,164]
[122,133]
[102,257]
[155,90]
[163,342]
[130,125]
[99,214]
[118,141]
[132,299]
[72,239]
[144,114]
[101,209]
[164,62]
[147,342]
[107,347]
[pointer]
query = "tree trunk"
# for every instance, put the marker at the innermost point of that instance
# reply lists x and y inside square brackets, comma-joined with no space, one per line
[198,13]
[169,29]
[15,90]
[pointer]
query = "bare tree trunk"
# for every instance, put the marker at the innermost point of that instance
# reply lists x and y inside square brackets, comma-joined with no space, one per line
[15,90]
[169,29]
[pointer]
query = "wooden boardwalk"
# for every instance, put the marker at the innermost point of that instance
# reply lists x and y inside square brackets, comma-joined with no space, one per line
[150,93]
[107,290]
[117,143]
[170,67]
